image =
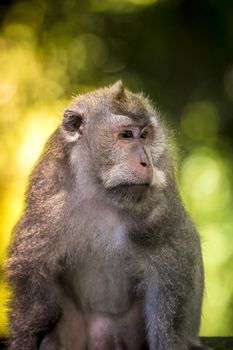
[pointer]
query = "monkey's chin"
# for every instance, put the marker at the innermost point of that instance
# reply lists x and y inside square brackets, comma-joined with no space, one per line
[139,189]
[129,193]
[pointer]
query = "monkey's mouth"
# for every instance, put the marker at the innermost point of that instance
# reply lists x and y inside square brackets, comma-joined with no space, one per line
[137,187]
[132,186]
[130,192]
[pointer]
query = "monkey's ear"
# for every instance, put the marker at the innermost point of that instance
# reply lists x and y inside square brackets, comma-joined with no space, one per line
[73,123]
[118,90]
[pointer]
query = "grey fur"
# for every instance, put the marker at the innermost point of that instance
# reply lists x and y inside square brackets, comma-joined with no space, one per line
[93,264]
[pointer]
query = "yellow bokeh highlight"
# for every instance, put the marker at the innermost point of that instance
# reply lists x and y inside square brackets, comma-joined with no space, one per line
[5,294]
[204,181]
[217,250]
[37,128]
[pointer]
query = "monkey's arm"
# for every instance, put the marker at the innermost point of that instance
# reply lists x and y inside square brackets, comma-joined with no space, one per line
[33,255]
[173,295]
[35,313]
[34,308]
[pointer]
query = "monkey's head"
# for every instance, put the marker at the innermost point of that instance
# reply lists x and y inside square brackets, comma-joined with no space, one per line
[123,141]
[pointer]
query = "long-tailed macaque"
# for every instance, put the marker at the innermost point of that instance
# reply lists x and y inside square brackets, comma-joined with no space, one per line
[105,257]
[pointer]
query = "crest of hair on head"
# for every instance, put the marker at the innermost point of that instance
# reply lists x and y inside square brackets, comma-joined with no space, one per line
[118,90]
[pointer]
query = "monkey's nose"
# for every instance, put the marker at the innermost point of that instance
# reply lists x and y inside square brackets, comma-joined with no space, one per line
[145,171]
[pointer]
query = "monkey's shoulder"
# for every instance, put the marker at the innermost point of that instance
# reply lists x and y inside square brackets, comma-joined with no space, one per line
[50,175]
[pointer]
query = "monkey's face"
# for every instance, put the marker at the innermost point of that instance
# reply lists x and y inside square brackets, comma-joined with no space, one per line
[124,144]
[124,149]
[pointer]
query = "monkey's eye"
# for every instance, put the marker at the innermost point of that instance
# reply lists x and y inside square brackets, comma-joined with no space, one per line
[126,134]
[144,134]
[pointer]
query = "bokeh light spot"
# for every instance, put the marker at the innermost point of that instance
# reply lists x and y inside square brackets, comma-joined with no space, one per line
[7,92]
[96,49]
[199,121]
[19,32]
[35,134]
[204,181]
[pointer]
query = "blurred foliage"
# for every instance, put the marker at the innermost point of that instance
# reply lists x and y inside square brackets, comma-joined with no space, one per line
[180,52]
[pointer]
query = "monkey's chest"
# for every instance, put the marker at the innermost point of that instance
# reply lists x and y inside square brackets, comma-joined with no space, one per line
[103,285]
[102,280]
[106,309]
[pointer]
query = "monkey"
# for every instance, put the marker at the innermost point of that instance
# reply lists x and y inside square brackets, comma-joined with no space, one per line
[105,256]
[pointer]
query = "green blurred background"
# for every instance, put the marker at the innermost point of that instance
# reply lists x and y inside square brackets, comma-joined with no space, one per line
[178,52]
